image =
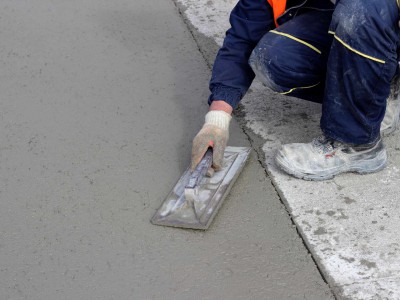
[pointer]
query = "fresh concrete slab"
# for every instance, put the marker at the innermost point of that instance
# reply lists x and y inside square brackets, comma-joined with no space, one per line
[350,223]
[99,103]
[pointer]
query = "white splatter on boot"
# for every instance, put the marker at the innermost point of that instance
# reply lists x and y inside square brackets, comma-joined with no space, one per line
[324,158]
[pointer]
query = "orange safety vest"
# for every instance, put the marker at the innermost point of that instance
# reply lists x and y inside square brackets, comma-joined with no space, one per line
[278,7]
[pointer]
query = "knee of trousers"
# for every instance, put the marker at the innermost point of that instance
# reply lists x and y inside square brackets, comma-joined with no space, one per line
[270,64]
[282,64]
[365,46]
[362,22]
[260,61]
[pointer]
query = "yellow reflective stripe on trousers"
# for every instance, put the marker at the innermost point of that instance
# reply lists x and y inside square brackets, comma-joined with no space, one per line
[356,51]
[296,39]
[297,88]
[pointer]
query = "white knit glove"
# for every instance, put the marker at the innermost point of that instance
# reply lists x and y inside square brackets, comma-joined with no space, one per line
[215,134]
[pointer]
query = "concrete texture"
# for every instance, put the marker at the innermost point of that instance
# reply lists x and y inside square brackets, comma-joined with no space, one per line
[349,223]
[100,101]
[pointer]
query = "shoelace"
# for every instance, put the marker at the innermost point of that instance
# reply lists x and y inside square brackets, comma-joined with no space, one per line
[325,145]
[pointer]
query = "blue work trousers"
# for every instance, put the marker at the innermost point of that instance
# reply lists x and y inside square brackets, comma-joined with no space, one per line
[344,58]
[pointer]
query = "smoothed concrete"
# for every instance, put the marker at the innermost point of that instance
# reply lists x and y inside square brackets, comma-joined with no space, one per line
[350,223]
[100,101]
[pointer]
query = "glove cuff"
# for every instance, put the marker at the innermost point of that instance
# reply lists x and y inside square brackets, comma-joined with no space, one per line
[218,118]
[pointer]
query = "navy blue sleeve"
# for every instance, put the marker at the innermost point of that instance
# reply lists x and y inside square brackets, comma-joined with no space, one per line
[232,75]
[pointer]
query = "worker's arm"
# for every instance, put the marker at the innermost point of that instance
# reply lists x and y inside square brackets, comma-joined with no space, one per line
[231,76]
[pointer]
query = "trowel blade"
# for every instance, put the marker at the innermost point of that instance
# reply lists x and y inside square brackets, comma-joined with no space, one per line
[191,196]
[198,207]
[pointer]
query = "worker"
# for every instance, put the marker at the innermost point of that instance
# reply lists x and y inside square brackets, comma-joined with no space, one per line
[342,54]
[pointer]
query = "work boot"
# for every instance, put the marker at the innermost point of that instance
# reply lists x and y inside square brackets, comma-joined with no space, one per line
[392,115]
[324,158]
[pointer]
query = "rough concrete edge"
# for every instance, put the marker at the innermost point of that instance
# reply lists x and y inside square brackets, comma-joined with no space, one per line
[257,143]
[208,49]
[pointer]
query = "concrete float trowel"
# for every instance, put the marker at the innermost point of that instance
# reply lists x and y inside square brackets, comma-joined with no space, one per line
[196,198]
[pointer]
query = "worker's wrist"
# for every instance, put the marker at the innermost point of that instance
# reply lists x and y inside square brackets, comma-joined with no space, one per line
[221,105]
[218,118]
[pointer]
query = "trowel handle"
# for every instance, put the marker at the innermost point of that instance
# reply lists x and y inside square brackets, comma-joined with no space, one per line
[201,170]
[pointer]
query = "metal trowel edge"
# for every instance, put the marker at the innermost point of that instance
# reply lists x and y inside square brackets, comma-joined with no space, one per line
[204,195]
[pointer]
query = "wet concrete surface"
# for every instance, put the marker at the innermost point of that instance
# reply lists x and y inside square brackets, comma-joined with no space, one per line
[100,101]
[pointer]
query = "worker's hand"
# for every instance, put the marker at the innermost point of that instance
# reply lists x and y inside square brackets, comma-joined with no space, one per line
[215,134]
